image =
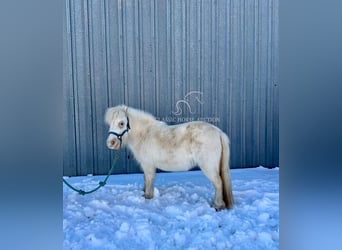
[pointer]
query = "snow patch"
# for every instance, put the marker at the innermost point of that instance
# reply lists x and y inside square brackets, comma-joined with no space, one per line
[179,216]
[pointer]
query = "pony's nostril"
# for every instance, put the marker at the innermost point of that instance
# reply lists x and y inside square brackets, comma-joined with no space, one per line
[112,143]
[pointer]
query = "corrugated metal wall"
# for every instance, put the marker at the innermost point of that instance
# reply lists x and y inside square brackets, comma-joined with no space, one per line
[177,59]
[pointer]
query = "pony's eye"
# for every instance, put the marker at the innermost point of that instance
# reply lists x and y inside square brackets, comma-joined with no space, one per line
[121,124]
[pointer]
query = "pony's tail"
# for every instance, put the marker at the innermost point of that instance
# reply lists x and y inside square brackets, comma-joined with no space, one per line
[225,172]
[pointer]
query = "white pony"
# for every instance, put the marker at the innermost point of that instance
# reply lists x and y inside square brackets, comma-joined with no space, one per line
[172,148]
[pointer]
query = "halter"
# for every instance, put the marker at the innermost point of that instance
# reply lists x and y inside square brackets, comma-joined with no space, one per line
[119,136]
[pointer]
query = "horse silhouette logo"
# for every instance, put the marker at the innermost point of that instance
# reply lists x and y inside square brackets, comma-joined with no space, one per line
[187,102]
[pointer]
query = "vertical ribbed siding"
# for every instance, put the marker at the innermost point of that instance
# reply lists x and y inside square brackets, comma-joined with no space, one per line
[149,54]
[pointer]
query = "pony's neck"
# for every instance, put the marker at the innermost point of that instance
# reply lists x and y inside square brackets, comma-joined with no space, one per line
[140,122]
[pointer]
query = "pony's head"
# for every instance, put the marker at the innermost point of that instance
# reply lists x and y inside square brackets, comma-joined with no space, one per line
[118,122]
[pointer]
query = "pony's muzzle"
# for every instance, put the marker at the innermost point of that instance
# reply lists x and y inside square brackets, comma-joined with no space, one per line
[113,143]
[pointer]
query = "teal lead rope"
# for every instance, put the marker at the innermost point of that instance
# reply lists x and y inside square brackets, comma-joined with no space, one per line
[101,183]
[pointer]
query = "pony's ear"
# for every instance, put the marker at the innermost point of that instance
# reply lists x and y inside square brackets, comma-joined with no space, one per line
[109,115]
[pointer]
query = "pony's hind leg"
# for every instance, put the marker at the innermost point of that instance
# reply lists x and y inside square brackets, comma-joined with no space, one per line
[215,179]
[149,175]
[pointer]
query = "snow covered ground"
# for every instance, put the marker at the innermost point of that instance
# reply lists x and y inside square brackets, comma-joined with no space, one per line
[179,217]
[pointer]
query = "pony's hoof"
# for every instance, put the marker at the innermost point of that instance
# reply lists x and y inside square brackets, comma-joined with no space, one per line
[218,209]
[148,196]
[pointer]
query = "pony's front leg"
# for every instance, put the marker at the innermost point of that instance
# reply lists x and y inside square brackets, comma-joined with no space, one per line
[149,175]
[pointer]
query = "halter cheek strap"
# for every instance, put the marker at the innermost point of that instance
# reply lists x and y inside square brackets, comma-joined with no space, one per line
[119,136]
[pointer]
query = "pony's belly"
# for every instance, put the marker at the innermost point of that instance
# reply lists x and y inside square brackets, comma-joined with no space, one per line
[175,164]
[174,168]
